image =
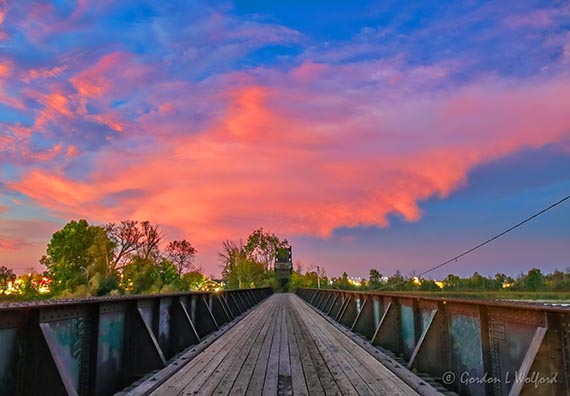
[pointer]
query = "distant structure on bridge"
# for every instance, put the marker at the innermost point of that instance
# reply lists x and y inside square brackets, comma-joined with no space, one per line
[284,265]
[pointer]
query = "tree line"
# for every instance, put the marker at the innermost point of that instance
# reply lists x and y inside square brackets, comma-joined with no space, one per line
[133,257]
[115,258]
[532,281]
[250,263]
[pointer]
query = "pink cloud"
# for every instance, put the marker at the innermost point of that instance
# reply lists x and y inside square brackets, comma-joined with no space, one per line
[97,80]
[23,242]
[11,244]
[270,159]
[308,71]
[42,73]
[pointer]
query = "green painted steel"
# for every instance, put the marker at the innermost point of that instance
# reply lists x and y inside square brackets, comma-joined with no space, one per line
[97,346]
[7,359]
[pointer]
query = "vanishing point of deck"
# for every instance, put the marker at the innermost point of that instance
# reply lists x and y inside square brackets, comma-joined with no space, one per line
[282,348]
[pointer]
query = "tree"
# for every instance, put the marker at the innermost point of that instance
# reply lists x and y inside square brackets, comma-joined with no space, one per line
[452,282]
[396,281]
[6,276]
[127,238]
[181,254]
[262,246]
[73,252]
[193,280]
[148,248]
[239,270]
[140,276]
[168,277]
[428,285]
[534,280]
[342,283]
[374,279]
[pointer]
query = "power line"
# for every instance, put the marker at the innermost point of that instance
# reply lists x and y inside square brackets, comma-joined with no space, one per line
[486,242]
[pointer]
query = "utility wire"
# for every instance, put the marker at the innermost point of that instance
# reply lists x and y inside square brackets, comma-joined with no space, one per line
[484,243]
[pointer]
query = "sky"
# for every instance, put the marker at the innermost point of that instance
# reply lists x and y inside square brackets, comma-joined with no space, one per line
[371,134]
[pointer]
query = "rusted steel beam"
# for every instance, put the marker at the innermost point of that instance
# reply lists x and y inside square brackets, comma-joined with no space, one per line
[471,347]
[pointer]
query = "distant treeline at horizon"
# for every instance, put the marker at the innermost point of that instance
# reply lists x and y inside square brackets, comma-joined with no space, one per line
[532,281]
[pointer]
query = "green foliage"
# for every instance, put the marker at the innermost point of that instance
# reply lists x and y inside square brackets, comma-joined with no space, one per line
[6,276]
[534,280]
[342,283]
[309,280]
[262,247]
[141,276]
[76,252]
[193,280]
[85,260]
[374,279]
[240,270]
[168,276]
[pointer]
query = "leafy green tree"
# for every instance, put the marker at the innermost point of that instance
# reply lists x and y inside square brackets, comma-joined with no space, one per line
[396,281]
[6,276]
[73,252]
[534,280]
[193,280]
[374,279]
[262,247]
[141,276]
[428,285]
[452,282]
[239,270]
[342,283]
[168,276]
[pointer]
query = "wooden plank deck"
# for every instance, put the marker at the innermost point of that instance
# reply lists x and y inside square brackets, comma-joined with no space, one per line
[284,348]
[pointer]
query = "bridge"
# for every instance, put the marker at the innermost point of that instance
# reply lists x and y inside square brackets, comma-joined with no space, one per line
[253,342]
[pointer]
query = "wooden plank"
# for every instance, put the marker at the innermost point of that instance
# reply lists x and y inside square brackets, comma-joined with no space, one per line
[215,351]
[236,369]
[354,371]
[285,382]
[285,347]
[361,362]
[272,373]
[217,366]
[240,385]
[297,374]
[284,361]
[324,374]
[226,372]
[348,381]
[382,380]
[310,373]
[256,383]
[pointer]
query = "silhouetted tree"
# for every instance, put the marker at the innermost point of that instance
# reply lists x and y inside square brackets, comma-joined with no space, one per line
[181,253]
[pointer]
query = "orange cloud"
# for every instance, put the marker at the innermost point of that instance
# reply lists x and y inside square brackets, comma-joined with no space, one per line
[5,69]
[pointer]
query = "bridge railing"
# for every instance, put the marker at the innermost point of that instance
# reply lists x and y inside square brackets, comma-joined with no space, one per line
[97,346]
[471,347]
